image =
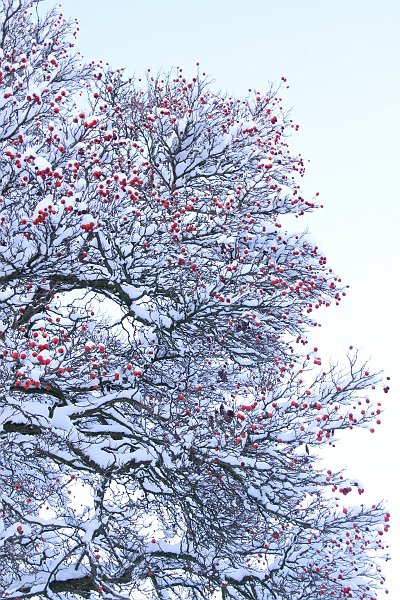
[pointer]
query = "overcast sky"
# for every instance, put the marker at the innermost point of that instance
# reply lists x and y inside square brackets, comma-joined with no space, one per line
[341,58]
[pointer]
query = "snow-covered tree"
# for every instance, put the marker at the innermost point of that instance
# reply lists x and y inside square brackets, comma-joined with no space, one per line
[160,409]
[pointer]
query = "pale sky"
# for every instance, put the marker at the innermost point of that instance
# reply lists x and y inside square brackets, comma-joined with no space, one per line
[342,59]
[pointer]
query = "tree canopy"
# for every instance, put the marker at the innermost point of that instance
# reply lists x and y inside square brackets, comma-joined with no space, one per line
[161,409]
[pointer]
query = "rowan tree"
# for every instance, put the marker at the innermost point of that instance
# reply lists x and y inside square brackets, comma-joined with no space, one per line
[161,409]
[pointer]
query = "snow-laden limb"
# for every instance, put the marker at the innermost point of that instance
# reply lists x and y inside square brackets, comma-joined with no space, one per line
[160,415]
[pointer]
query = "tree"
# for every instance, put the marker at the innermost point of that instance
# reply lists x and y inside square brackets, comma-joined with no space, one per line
[160,410]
